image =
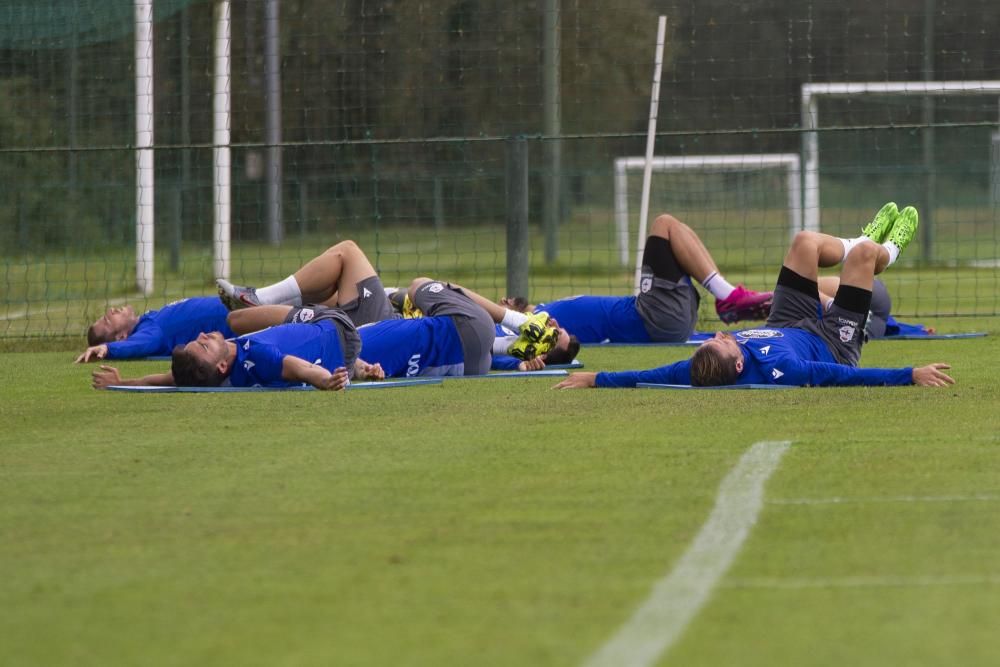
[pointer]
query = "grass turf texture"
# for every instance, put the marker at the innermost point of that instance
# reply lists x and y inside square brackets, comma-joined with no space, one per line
[492,523]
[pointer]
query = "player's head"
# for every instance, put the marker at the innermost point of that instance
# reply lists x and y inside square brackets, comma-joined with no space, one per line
[565,349]
[718,361]
[115,324]
[204,362]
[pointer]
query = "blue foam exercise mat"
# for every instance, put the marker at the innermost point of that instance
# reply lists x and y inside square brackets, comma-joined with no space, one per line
[651,385]
[510,374]
[384,384]
[951,336]
[575,364]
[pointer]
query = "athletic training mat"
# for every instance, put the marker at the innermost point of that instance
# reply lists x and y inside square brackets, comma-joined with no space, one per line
[385,384]
[509,374]
[651,385]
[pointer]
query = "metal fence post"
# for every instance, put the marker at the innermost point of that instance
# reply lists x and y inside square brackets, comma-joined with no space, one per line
[517,217]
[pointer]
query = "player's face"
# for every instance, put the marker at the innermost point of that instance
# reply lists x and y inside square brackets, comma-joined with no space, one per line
[725,344]
[116,320]
[208,348]
[563,342]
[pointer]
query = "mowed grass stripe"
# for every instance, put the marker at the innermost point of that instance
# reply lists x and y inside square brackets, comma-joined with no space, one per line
[676,598]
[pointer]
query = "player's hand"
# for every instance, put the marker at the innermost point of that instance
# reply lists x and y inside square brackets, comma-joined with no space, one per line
[931,376]
[106,376]
[518,303]
[536,364]
[335,381]
[93,353]
[578,381]
[365,371]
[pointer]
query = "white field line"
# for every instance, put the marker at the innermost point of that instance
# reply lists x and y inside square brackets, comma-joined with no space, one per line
[919,581]
[978,497]
[48,308]
[677,597]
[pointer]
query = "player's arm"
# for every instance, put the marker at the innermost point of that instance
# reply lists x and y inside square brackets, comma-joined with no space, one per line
[295,369]
[108,376]
[93,353]
[820,374]
[675,373]
[365,371]
[145,342]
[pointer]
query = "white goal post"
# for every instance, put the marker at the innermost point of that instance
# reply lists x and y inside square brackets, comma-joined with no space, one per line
[811,92]
[734,162]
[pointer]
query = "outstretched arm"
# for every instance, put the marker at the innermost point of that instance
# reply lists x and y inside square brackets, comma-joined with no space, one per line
[365,371]
[108,376]
[93,353]
[295,369]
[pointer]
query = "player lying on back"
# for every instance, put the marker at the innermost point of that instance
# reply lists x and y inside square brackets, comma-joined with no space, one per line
[319,349]
[666,307]
[802,344]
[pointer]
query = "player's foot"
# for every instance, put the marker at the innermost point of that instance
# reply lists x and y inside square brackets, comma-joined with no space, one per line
[410,310]
[904,229]
[235,296]
[536,337]
[744,304]
[878,229]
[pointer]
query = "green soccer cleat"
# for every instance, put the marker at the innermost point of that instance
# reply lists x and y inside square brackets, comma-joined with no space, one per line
[410,310]
[535,338]
[534,328]
[878,229]
[904,229]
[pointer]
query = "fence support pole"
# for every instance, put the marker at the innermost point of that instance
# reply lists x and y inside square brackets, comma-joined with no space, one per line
[517,217]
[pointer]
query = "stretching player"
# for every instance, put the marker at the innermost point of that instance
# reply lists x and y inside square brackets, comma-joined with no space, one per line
[121,334]
[666,308]
[319,348]
[801,345]
[881,323]
[342,277]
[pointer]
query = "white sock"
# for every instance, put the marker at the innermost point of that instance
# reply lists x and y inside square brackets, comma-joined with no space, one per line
[286,292]
[850,243]
[894,251]
[513,319]
[502,343]
[717,285]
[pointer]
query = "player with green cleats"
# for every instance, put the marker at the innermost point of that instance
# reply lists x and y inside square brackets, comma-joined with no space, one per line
[904,228]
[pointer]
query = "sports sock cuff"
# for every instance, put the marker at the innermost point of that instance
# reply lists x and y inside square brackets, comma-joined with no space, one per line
[854,299]
[799,283]
[513,319]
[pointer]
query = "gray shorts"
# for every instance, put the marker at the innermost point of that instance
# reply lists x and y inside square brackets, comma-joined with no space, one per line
[476,328]
[840,329]
[350,341]
[669,310]
[372,305]
[878,314]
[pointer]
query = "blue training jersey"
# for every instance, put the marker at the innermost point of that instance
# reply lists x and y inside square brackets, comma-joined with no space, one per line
[158,331]
[259,356]
[408,348]
[599,319]
[774,356]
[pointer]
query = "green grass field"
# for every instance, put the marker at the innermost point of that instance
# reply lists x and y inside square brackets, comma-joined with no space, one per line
[495,522]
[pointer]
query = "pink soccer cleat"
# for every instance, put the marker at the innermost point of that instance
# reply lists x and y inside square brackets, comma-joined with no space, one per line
[744,304]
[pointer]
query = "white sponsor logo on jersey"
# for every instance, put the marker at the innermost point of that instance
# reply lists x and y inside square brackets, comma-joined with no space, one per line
[413,365]
[775,373]
[435,287]
[246,345]
[758,333]
[365,293]
[247,365]
[764,350]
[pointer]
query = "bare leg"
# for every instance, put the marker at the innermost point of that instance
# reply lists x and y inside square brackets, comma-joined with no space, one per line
[862,263]
[828,286]
[249,320]
[335,273]
[811,250]
[692,255]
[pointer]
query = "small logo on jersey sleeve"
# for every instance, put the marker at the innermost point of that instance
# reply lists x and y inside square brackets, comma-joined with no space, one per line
[775,373]
[305,315]
[247,365]
[764,350]
[435,287]
[646,284]
[365,293]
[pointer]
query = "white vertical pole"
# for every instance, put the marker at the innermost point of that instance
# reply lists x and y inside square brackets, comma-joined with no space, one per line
[794,197]
[647,174]
[221,105]
[621,209]
[144,192]
[810,123]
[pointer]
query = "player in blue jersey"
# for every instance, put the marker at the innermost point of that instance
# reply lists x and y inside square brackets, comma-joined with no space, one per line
[666,308]
[317,346]
[802,344]
[122,334]
[341,277]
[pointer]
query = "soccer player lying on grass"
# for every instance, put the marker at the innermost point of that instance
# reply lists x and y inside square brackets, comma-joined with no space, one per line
[320,348]
[121,334]
[801,345]
[453,338]
[666,308]
[519,337]
[342,277]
